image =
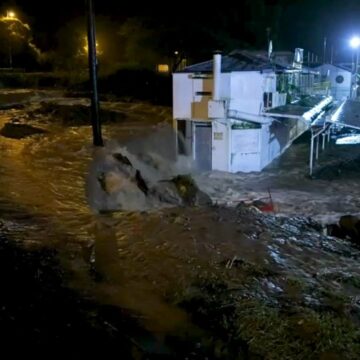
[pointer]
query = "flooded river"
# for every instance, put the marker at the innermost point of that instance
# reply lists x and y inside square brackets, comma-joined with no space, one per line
[144,262]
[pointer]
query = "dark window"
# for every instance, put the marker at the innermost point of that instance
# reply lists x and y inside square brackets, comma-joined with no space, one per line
[339,79]
[204,93]
[181,127]
[267,100]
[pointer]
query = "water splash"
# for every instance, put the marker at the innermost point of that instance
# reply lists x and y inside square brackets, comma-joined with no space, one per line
[138,174]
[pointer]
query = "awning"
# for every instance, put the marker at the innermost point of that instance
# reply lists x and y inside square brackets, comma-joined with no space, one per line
[307,109]
[240,115]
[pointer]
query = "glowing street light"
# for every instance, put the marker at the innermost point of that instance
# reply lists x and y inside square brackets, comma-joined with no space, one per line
[86,47]
[355,42]
[10,14]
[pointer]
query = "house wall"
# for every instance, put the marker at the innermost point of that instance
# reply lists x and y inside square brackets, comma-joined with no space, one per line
[202,90]
[229,149]
[191,95]
[245,150]
[182,96]
[220,146]
[278,136]
[339,91]
[247,91]
[243,90]
[254,149]
[264,145]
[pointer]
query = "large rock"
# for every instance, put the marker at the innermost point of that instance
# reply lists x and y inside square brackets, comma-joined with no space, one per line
[180,190]
[350,226]
[347,228]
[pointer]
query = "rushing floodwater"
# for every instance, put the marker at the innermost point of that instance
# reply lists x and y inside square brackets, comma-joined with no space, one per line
[143,261]
[43,201]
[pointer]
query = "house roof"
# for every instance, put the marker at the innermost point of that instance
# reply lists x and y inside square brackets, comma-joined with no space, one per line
[239,60]
[318,65]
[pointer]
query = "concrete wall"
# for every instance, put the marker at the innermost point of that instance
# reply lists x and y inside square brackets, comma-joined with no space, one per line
[247,90]
[200,100]
[265,157]
[182,96]
[339,91]
[191,94]
[234,150]
[245,150]
[220,146]
[278,136]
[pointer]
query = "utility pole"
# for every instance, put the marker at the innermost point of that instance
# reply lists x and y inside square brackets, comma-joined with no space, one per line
[95,111]
[324,55]
[356,73]
[332,54]
[268,36]
[10,53]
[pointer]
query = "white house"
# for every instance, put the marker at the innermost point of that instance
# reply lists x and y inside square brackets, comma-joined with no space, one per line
[340,79]
[221,111]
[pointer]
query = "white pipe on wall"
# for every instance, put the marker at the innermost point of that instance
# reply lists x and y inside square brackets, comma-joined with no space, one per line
[217,76]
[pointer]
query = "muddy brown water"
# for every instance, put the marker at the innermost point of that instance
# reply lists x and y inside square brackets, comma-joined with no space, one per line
[141,261]
[144,262]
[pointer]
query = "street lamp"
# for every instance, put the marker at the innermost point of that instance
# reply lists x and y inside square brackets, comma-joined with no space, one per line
[355,44]
[86,47]
[10,14]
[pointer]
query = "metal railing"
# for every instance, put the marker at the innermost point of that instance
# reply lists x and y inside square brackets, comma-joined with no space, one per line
[323,132]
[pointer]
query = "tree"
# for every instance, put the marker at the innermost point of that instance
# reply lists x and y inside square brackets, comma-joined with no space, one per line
[17,42]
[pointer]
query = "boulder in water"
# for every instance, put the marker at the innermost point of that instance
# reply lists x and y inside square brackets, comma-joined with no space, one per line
[350,226]
[19,131]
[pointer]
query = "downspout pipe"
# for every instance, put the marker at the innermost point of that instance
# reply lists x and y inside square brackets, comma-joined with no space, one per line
[216,75]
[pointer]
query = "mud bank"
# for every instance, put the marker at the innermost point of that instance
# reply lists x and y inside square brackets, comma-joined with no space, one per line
[248,286]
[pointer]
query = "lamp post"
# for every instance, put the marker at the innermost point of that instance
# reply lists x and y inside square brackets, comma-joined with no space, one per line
[10,15]
[355,44]
[95,109]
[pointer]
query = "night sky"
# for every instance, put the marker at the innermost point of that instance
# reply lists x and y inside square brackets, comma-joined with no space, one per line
[294,23]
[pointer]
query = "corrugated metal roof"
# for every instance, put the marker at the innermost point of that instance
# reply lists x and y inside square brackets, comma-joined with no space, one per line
[308,107]
[238,60]
[348,114]
[295,110]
